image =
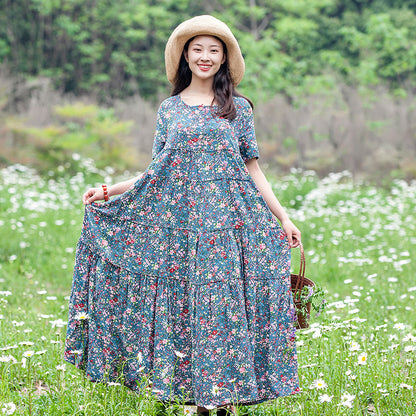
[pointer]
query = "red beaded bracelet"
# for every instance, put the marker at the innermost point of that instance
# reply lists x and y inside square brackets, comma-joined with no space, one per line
[105,192]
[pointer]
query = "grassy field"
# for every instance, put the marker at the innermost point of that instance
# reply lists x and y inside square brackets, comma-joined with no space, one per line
[357,358]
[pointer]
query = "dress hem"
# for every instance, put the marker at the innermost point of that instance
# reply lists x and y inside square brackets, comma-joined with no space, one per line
[242,402]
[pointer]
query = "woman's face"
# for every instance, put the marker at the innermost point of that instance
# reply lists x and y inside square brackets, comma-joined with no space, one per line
[205,55]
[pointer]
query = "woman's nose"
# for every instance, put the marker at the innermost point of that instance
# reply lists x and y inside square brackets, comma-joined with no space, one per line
[204,56]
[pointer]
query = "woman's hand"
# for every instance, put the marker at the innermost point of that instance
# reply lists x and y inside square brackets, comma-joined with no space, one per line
[292,232]
[92,195]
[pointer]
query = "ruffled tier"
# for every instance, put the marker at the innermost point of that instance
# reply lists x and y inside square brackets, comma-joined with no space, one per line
[234,335]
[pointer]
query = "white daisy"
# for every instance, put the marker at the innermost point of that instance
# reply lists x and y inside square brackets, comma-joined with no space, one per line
[362,358]
[325,398]
[209,407]
[318,384]
[409,348]
[179,354]
[8,408]
[354,346]
[189,410]
[82,316]
[346,400]
[215,390]
[409,337]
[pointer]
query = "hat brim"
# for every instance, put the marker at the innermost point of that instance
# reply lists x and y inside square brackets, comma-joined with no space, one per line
[203,25]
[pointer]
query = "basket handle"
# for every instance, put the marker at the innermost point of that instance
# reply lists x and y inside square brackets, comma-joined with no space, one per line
[300,281]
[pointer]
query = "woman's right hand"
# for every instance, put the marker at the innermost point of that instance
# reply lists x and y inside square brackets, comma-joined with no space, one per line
[92,195]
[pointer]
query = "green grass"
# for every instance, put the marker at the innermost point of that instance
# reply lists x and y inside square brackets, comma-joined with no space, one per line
[359,241]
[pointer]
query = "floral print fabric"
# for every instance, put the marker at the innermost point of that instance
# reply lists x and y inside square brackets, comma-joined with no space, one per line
[185,278]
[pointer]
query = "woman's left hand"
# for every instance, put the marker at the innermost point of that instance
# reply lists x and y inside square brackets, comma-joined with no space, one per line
[292,232]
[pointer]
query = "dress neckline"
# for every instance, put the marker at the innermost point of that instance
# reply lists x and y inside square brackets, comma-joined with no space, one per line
[195,105]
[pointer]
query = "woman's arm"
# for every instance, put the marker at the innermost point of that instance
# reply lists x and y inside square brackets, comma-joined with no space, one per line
[94,194]
[121,187]
[293,233]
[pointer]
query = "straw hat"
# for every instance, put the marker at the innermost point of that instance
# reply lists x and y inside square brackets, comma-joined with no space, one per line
[203,25]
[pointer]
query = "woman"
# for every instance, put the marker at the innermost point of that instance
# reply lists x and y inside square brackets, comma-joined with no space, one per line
[184,278]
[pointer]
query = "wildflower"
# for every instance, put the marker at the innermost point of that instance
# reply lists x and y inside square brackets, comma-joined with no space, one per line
[346,400]
[399,326]
[179,354]
[384,392]
[61,367]
[189,410]
[325,398]
[406,386]
[215,390]
[409,348]
[82,316]
[10,347]
[28,354]
[409,337]
[318,384]
[58,323]
[5,358]
[317,333]
[5,293]
[8,408]
[349,374]
[354,346]
[362,358]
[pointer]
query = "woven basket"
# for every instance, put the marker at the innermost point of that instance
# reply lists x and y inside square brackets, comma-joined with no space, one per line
[298,281]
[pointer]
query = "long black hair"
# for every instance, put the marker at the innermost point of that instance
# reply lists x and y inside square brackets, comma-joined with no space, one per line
[223,87]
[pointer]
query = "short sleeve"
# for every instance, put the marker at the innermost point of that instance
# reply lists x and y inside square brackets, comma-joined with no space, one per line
[247,136]
[160,134]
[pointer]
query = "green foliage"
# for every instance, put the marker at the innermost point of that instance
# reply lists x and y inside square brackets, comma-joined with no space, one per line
[113,49]
[93,131]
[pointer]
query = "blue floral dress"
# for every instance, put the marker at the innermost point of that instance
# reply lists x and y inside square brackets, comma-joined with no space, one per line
[182,284]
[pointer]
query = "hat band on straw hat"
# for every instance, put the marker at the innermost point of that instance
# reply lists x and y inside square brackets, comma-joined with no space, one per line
[203,25]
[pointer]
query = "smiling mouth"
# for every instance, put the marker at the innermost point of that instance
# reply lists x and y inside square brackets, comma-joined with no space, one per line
[204,67]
